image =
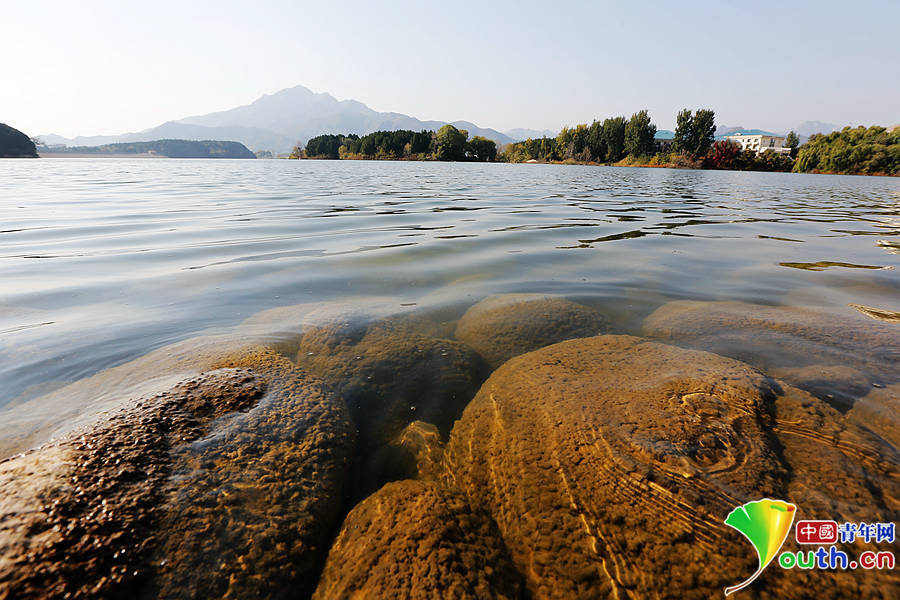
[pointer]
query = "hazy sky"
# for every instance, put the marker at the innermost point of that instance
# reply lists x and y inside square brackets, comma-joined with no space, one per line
[98,67]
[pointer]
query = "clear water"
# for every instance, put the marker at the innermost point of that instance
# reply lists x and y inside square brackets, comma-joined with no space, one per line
[103,260]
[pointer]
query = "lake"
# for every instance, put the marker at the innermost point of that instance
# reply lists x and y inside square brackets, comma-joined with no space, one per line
[345,317]
[103,260]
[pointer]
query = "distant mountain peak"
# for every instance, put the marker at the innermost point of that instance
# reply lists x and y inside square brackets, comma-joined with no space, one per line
[282,119]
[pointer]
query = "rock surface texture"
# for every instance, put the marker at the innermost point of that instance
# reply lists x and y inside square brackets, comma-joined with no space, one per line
[500,327]
[609,464]
[227,485]
[411,539]
[850,351]
[391,376]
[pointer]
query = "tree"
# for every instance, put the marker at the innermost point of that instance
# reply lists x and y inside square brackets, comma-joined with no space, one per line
[792,142]
[723,155]
[450,143]
[614,136]
[565,141]
[483,149]
[684,131]
[596,142]
[639,133]
[694,134]
[703,131]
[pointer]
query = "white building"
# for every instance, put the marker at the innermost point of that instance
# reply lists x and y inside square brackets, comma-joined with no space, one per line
[758,141]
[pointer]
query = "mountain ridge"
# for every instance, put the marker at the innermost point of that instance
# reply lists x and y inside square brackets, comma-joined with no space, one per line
[280,120]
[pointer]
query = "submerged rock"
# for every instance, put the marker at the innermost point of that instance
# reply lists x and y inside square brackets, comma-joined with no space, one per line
[389,376]
[610,463]
[879,411]
[785,338]
[227,485]
[411,539]
[500,327]
[420,448]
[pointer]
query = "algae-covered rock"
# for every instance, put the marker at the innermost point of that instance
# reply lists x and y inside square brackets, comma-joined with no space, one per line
[411,539]
[420,448]
[227,485]
[780,337]
[500,327]
[390,375]
[610,463]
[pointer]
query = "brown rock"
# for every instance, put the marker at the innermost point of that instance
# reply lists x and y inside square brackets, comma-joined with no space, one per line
[421,449]
[837,385]
[879,411]
[413,540]
[500,327]
[610,463]
[226,485]
[391,376]
[780,337]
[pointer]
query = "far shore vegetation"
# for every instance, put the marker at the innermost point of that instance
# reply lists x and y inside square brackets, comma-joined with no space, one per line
[621,141]
[166,148]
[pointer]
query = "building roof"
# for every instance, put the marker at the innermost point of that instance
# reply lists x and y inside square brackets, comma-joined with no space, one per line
[664,134]
[751,132]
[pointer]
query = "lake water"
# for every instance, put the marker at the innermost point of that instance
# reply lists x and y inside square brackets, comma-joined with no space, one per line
[104,260]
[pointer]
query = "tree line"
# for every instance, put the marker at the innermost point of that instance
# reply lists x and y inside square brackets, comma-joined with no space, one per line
[447,143]
[168,148]
[630,141]
[617,138]
[855,151]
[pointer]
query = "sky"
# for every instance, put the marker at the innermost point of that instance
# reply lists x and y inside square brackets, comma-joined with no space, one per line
[107,67]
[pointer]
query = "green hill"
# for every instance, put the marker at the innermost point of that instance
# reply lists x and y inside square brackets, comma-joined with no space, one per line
[169,149]
[15,144]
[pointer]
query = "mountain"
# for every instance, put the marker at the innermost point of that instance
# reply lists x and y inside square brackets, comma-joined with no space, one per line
[279,121]
[723,130]
[15,144]
[807,128]
[523,134]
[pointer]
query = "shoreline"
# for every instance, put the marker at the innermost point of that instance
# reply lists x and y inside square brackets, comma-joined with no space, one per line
[598,164]
[97,155]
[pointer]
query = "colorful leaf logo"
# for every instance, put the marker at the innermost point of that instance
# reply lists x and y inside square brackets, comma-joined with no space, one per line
[766,523]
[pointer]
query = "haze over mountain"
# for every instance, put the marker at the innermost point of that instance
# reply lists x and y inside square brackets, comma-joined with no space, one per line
[279,121]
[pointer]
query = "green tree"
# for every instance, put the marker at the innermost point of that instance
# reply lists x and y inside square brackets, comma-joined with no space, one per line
[596,142]
[703,132]
[639,133]
[792,142]
[684,131]
[859,150]
[450,143]
[614,136]
[483,149]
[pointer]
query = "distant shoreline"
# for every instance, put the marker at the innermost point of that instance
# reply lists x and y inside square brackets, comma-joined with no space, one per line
[97,155]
